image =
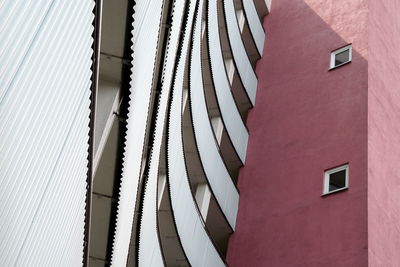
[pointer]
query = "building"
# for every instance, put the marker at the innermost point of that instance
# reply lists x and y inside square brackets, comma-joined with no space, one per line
[130,129]
[311,118]
[181,139]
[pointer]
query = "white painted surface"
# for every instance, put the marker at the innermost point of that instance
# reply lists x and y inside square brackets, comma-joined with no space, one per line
[145,39]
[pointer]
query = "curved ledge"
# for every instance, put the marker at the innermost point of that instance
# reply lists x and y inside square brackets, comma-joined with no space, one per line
[242,61]
[214,167]
[255,25]
[197,245]
[145,42]
[149,244]
[233,122]
[150,252]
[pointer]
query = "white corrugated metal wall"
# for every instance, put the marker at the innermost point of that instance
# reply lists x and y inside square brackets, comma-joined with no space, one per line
[45,80]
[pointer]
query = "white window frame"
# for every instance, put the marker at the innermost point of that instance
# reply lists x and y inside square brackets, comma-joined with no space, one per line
[338,51]
[327,176]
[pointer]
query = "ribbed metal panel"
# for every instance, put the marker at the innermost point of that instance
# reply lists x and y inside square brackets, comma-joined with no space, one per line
[197,245]
[233,122]
[145,39]
[45,50]
[242,62]
[149,243]
[255,25]
[216,172]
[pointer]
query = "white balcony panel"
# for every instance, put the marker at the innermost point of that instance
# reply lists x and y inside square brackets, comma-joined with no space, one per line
[147,17]
[233,122]
[242,61]
[149,243]
[216,172]
[255,25]
[46,53]
[197,245]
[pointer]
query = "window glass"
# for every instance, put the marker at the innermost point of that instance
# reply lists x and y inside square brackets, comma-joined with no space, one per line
[337,180]
[342,57]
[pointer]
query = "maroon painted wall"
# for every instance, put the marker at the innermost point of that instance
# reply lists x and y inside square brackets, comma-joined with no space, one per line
[306,120]
[384,134]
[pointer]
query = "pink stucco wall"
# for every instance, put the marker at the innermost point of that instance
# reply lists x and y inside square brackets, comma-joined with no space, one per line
[306,120]
[384,134]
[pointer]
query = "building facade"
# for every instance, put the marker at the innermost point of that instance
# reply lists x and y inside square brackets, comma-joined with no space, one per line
[199,133]
[311,118]
[124,129]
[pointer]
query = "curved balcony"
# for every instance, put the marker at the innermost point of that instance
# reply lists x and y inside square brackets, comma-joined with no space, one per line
[256,28]
[231,117]
[195,241]
[149,243]
[145,44]
[151,234]
[240,57]
[214,167]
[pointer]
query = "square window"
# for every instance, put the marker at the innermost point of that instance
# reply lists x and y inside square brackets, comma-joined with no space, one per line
[336,179]
[341,56]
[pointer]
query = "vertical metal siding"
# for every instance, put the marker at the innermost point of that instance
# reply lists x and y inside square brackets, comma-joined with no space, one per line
[45,51]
